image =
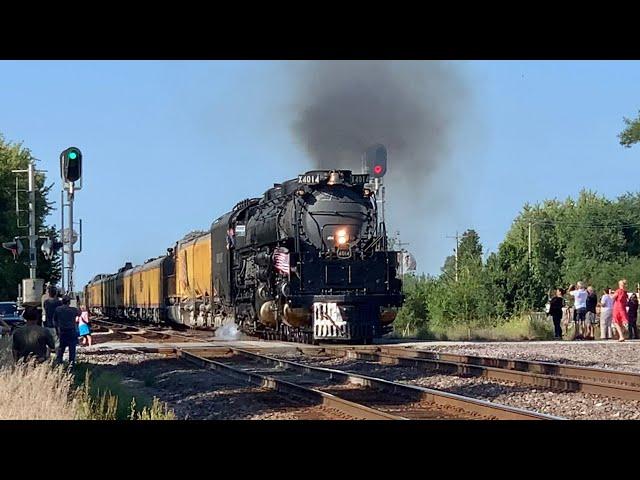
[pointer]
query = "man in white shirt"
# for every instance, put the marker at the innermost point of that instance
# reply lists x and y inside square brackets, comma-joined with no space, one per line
[580,304]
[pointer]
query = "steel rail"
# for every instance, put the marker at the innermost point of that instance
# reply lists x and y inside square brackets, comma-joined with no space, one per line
[309,394]
[576,378]
[431,396]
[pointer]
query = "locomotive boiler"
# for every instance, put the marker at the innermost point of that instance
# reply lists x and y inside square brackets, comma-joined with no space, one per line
[307,261]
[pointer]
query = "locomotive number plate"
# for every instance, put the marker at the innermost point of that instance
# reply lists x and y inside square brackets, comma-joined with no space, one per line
[309,179]
[359,178]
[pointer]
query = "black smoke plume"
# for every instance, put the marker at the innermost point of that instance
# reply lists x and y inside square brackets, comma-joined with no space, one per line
[345,106]
[413,108]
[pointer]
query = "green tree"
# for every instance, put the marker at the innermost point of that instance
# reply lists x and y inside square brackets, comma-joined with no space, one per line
[469,255]
[631,134]
[470,250]
[16,157]
[591,238]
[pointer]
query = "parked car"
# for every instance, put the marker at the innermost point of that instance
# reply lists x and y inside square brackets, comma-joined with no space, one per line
[10,315]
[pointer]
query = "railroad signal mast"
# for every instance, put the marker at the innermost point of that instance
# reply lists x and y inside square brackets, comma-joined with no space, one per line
[71,172]
[374,162]
[30,290]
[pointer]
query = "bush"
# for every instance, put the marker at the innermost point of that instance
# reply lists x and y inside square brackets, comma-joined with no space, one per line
[523,327]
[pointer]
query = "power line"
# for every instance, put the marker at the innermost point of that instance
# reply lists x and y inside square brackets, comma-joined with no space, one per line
[587,225]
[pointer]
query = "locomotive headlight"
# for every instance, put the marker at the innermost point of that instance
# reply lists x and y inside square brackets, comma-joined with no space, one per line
[342,237]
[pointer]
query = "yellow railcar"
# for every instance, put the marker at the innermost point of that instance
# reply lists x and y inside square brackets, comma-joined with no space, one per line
[137,293]
[193,268]
[94,295]
[189,289]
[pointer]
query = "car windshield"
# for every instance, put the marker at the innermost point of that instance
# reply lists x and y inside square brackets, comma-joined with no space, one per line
[7,309]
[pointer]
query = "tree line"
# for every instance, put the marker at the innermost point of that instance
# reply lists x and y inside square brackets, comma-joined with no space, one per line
[550,244]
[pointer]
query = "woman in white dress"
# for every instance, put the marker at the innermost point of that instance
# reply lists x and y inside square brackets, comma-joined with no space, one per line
[606,313]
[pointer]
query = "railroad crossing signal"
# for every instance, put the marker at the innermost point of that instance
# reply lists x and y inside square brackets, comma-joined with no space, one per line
[14,247]
[71,164]
[50,248]
[376,160]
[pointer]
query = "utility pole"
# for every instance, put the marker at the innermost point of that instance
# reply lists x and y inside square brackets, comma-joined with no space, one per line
[402,252]
[456,252]
[529,252]
[33,236]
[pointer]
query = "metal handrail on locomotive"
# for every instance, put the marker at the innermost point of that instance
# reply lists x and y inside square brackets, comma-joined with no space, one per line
[307,261]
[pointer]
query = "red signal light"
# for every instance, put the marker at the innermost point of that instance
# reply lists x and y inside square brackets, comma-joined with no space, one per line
[375,161]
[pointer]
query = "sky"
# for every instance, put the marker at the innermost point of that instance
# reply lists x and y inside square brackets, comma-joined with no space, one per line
[169,146]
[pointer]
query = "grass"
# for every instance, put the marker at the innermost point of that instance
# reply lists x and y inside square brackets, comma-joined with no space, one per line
[104,396]
[521,328]
[32,391]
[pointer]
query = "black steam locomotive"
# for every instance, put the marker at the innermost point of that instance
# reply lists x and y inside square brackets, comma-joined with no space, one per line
[312,259]
[308,261]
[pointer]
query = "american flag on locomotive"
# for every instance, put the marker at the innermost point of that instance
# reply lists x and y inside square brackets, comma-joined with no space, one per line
[281,260]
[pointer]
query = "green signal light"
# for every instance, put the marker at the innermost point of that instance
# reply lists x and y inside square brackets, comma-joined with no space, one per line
[73,155]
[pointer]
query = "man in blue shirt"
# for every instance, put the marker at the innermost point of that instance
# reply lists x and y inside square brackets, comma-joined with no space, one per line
[64,319]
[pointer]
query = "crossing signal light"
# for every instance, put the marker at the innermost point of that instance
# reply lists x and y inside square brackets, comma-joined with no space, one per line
[71,164]
[50,248]
[376,160]
[14,247]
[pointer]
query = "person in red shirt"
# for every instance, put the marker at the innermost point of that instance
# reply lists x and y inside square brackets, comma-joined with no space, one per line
[620,299]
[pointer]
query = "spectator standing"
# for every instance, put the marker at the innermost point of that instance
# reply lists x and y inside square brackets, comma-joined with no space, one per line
[64,319]
[45,296]
[579,294]
[567,316]
[620,317]
[5,328]
[606,313]
[84,329]
[49,306]
[555,310]
[590,320]
[32,339]
[633,316]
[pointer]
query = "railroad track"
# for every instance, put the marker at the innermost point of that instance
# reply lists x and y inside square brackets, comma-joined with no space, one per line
[356,395]
[132,332]
[147,332]
[549,375]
